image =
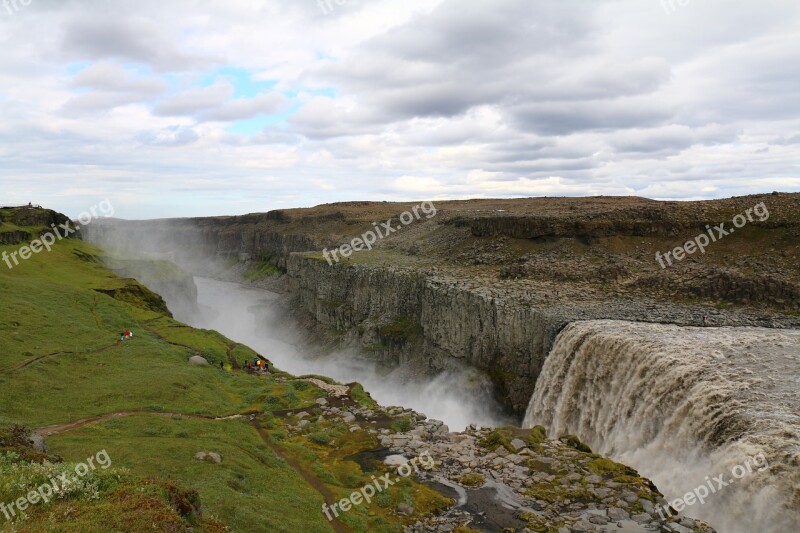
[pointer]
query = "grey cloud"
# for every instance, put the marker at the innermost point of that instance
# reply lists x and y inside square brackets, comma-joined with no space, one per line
[98,102]
[214,103]
[194,101]
[244,108]
[172,136]
[112,77]
[131,38]
[110,86]
[562,118]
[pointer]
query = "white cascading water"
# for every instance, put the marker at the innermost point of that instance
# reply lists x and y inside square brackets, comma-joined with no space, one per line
[683,405]
[458,397]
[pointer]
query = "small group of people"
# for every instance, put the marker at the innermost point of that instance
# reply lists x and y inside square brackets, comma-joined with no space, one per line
[127,334]
[257,363]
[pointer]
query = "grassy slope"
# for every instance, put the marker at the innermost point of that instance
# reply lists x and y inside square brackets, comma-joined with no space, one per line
[51,315]
[61,362]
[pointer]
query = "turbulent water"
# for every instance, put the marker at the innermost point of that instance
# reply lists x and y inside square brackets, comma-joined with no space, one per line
[248,315]
[684,405]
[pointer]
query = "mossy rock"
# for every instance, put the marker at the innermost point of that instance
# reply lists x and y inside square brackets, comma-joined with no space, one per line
[537,435]
[575,442]
[472,480]
[139,296]
[400,330]
[496,438]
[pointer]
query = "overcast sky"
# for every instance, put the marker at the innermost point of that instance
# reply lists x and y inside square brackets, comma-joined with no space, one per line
[193,107]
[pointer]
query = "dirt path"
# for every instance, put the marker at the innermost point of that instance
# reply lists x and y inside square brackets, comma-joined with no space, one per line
[315,483]
[29,362]
[55,429]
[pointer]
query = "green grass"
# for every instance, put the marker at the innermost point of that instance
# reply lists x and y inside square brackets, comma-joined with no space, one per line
[51,308]
[258,270]
[401,329]
[61,361]
[252,489]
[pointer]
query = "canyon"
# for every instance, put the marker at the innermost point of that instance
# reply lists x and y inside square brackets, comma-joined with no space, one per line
[490,283]
[499,287]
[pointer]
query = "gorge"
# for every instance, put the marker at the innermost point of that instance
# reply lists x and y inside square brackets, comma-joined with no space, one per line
[555,306]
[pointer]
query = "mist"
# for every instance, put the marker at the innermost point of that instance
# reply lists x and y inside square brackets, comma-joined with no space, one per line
[253,316]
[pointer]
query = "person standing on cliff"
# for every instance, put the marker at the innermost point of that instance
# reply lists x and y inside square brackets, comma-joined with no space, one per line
[705,320]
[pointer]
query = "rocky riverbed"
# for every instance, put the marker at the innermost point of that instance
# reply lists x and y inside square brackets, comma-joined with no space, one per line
[501,479]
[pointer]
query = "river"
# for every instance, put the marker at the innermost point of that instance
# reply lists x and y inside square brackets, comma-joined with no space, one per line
[250,316]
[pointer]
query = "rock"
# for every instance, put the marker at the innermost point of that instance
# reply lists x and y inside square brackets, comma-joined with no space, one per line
[687,522]
[353,429]
[641,518]
[405,509]
[616,514]
[38,443]
[204,456]
[629,497]
[198,360]
[647,505]
[303,423]
[321,401]
[518,444]
[348,418]
[599,520]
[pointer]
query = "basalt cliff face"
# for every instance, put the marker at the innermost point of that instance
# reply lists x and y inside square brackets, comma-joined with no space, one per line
[490,283]
[425,322]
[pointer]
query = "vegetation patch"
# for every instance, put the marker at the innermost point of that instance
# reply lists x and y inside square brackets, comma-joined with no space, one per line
[472,480]
[401,329]
[496,438]
[575,442]
[258,270]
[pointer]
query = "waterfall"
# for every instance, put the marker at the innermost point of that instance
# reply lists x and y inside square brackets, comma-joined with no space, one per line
[684,405]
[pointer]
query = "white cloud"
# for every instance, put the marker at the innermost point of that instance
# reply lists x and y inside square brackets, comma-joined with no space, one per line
[384,99]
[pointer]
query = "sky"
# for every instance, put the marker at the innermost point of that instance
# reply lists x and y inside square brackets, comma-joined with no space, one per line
[205,107]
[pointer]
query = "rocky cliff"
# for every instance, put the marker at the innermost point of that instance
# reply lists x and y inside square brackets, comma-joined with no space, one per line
[428,320]
[19,225]
[490,283]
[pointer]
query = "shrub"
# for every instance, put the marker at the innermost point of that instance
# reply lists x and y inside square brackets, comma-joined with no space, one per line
[320,437]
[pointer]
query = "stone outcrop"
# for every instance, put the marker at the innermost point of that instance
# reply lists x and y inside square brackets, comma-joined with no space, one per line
[14,237]
[14,221]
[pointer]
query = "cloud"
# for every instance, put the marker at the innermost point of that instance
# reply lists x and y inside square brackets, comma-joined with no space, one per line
[171,136]
[230,107]
[105,86]
[195,100]
[107,34]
